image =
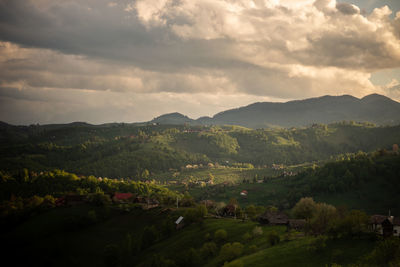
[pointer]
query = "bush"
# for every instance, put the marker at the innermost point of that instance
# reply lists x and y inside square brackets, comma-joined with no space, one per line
[352,224]
[324,215]
[230,251]
[195,214]
[251,212]
[257,231]
[273,238]
[305,208]
[386,253]
[208,249]
[207,237]
[202,210]
[49,201]
[99,199]
[246,237]
[220,235]
[252,249]
[34,202]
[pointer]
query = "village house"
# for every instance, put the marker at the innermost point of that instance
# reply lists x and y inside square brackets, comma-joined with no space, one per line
[288,173]
[277,166]
[273,218]
[122,197]
[152,203]
[385,225]
[179,223]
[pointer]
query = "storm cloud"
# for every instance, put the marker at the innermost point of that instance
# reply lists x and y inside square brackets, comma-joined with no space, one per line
[104,61]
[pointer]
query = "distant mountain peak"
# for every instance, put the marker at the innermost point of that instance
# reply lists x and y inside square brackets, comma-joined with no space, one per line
[373,108]
[172,115]
[172,118]
[375,96]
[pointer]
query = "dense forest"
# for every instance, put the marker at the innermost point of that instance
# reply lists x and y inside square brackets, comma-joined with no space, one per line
[372,179]
[131,151]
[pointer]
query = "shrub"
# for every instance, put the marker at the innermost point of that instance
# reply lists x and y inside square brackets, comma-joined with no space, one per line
[273,238]
[251,212]
[305,208]
[252,249]
[324,215]
[230,251]
[195,214]
[386,253]
[208,249]
[257,231]
[246,237]
[220,235]
[99,199]
[207,237]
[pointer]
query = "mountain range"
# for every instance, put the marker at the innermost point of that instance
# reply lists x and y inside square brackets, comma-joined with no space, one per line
[374,108]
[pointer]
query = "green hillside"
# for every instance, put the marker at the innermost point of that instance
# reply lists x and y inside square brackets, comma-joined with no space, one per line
[124,150]
[99,232]
[366,182]
[112,241]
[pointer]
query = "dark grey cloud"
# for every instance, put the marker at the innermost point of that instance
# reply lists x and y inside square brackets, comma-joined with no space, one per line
[69,54]
[347,49]
[97,30]
[347,9]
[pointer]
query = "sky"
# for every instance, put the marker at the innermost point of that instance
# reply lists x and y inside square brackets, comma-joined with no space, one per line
[103,61]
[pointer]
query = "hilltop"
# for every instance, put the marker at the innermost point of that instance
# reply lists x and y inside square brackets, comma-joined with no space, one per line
[373,108]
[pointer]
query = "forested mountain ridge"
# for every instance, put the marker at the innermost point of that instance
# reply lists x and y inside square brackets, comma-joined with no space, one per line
[373,108]
[125,150]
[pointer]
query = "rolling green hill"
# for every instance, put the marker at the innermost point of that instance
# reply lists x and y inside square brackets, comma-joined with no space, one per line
[123,150]
[366,182]
[112,241]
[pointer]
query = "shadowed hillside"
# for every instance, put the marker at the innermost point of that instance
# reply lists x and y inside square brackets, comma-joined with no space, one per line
[373,108]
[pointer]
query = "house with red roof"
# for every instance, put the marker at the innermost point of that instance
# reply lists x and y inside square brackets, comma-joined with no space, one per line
[244,193]
[123,197]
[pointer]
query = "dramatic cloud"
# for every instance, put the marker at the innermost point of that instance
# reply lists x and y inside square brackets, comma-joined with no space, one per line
[125,60]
